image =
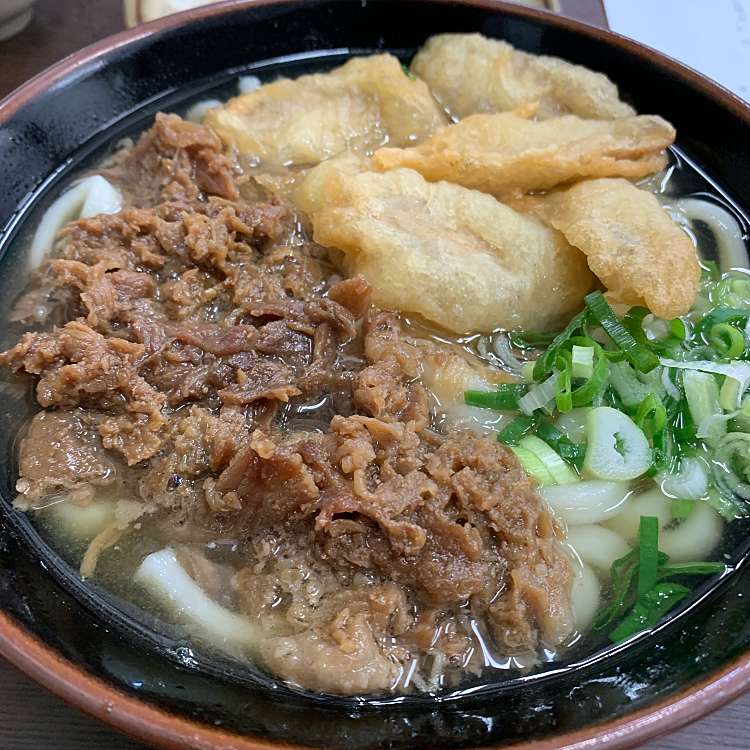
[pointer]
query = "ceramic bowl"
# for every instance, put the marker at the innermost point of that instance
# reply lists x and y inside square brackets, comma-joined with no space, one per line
[83,644]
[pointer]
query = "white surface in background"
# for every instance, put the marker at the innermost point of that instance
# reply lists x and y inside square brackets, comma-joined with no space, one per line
[712,36]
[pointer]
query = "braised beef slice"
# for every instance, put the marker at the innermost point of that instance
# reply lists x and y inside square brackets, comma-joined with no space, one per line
[174,160]
[60,451]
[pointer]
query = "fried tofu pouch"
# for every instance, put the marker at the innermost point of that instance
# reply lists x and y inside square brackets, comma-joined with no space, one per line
[505,154]
[470,73]
[457,257]
[360,106]
[640,255]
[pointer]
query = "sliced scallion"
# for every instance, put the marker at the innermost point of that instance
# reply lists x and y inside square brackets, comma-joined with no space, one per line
[692,569]
[514,431]
[737,370]
[617,448]
[553,462]
[505,398]
[538,396]
[727,340]
[583,361]
[682,508]
[546,362]
[702,393]
[533,466]
[648,554]
[637,354]
[571,452]
[649,609]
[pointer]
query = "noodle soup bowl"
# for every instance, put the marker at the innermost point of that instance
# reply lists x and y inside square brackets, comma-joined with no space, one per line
[94,649]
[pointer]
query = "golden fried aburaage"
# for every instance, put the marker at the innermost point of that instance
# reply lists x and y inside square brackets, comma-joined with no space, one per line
[640,255]
[470,73]
[362,105]
[458,257]
[505,154]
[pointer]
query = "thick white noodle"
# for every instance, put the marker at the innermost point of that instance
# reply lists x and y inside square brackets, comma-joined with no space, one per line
[92,195]
[597,546]
[163,576]
[730,242]
[82,522]
[246,84]
[197,111]
[695,537]
[586,502]
[585,597]
[651,503]
[691,540]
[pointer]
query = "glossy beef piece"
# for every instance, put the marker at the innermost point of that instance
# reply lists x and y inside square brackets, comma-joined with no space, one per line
[60,452]
[174,160]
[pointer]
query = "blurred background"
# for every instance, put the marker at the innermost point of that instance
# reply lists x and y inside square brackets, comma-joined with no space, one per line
[712,36]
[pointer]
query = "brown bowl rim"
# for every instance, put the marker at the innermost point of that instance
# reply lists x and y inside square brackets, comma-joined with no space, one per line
[160,728]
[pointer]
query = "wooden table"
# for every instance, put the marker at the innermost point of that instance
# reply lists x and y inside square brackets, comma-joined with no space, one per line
[31,718]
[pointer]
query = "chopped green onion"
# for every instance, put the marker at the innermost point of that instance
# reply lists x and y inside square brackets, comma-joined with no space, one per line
[633,324]
[702,392]
[513,432]
[629,388]
[583,361]
[539,396]
[571,452]
[692,569]
[586,393]
[682,508]
[560,471]
[564,388]
[683,426]
[731,465]
[651,417]
[649,609]
[639,356]
[690,483]
[546,362]
[737,370]
[720,315]
[623,573]
[617,448]
[677,329]
[533,466]
[727,505]
[729,394]
[648,554]
[727,340]
[527,371]
[505,398]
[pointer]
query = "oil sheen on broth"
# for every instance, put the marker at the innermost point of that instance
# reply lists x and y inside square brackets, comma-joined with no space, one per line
[292,475]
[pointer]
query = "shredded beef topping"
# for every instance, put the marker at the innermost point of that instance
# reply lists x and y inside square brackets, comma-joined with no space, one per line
[210,360]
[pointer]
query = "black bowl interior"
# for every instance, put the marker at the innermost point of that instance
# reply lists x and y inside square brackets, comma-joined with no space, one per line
[77,120]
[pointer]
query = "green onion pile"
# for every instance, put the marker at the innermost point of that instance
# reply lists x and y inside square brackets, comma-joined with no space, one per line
[659,400]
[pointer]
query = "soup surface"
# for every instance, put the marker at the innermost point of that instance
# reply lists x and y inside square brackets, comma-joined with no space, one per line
[384,378]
